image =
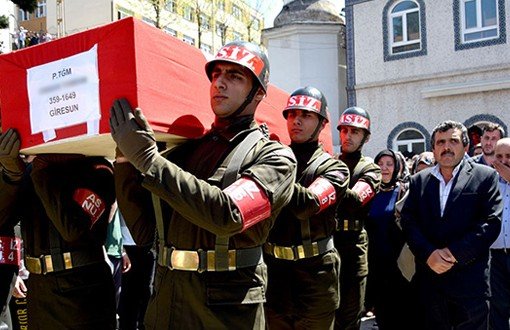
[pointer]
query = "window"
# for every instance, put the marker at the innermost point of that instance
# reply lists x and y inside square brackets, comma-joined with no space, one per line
[204,22]
[410,142]
[122,14]
[237,36]
[405,27]
[41,9]
[256,23]
[149,21]
[479,20]
[170,31]
[24,15]
[236,12]
[188,14]
[410,138]
[404,31]
[220,29]
[221,5]
[479,23]
[206,48]
[170,6]
[189,40]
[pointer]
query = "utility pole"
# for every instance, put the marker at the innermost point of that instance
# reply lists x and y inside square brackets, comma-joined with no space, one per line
[61,27]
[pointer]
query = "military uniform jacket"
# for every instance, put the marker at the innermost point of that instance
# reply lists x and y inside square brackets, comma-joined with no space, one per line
[69,201]
[195,210]
[189,180]
[305,206]
[354,206]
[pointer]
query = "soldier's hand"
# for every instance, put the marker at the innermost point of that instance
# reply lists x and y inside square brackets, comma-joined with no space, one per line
[133,135]
[13,166]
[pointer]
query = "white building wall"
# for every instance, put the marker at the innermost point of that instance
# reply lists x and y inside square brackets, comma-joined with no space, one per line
[7,9]
[307,54]
[443,84]
[78,15]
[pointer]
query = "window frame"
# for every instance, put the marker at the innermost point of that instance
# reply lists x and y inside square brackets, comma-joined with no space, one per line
[460,30]
[387,23]
[403,15]
[393,143]
[41,10]
[189,40]
[478,28]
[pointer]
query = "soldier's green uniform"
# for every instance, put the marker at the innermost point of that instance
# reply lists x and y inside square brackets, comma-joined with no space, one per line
[64,207]
[303,264]
[351,239]
[214,201]
[304,289]
[196,210]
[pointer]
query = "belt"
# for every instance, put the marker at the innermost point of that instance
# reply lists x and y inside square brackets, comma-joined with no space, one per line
[68,260]
[298,252]
[350,225]
[201,260]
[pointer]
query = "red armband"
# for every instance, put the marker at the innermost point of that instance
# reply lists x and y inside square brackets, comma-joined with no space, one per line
[325,192]
[10,250]
[251,201]
[364,191]
[91,204]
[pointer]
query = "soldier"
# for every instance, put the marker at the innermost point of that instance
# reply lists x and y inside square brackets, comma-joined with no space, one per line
[64,204]
[303,264]
[351,238]
[214,200]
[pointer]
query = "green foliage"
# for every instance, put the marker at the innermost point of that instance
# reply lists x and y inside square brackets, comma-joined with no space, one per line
[28,5]
[4,22]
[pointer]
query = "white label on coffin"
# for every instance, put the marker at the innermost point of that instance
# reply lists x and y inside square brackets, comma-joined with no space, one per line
[64,93]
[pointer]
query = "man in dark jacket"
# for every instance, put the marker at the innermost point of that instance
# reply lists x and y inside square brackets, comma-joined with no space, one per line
[450,219]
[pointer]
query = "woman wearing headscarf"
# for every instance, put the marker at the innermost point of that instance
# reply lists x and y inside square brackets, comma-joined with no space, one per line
[388,290]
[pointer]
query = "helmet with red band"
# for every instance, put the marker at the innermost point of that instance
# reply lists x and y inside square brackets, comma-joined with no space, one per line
[246,54]
[355,117]
[309,99]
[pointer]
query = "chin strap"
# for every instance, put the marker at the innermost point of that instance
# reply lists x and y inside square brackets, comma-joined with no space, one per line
[247,101]
[316,132]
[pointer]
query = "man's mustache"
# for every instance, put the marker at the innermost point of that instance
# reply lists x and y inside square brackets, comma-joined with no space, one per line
[449,153]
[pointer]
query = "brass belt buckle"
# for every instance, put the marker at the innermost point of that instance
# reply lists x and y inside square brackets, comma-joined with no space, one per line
[34,265]
[184,260]
[283,252]
[48,264]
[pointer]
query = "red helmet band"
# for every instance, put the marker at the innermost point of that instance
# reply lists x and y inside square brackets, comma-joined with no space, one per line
[354,120]
[304,102]
[242,56]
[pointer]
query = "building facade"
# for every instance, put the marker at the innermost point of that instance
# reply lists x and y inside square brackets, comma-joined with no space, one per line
[306,47]
[206,24]
[415,63]
[8,34]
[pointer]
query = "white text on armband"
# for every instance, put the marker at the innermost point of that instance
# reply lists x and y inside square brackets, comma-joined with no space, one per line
[10,250]
[364,191]
[324,191]
[251,201]
[91,204]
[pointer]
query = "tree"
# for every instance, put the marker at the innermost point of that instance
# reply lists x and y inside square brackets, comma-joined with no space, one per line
[27,5]
[4,22]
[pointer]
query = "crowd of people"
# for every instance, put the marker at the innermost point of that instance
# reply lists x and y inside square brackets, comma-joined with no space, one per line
[23,38]
[233,230]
